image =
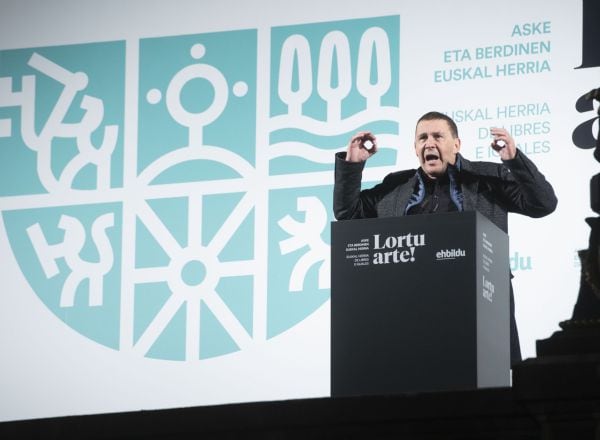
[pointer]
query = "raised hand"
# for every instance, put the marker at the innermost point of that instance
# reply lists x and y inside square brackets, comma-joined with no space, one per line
[362,146]
[503,143]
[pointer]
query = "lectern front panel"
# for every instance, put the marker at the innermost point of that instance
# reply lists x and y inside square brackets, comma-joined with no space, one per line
[407,295]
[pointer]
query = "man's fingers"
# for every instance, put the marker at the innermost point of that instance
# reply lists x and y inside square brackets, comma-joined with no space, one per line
[498,144]
[363,135]
[502,138]
[364,139]
[503,143]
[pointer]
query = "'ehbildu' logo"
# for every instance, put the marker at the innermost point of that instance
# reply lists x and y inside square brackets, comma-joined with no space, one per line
[181,212]
[450,254]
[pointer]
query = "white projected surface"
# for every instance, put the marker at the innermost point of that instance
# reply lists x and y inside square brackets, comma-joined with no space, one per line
[165,182]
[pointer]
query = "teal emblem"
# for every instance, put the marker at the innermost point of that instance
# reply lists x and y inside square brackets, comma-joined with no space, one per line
[173,198]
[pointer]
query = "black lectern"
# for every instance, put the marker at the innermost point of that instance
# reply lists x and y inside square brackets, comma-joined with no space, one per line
[419,303]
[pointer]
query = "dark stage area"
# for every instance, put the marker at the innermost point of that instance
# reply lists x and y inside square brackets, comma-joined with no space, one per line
[551,398]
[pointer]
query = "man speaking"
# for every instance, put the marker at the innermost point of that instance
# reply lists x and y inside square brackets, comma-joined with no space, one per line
[445,182]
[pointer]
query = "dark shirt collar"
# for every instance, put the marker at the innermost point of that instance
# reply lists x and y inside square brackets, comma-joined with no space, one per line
[439,181]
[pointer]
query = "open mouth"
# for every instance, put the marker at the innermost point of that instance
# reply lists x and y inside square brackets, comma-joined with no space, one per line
[431,156]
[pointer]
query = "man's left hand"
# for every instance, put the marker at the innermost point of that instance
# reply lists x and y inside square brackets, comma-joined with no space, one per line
[503,143]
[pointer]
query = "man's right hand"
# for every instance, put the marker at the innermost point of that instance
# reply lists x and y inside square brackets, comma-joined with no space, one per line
[357,150]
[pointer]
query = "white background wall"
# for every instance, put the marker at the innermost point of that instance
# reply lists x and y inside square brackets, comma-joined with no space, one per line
[49,370]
